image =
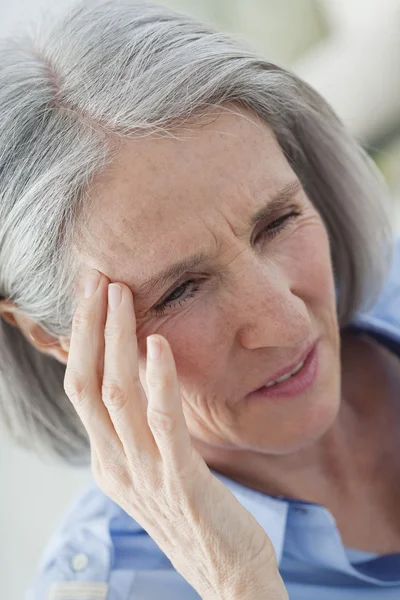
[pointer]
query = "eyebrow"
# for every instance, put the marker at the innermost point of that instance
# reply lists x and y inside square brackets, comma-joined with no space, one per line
[179,268]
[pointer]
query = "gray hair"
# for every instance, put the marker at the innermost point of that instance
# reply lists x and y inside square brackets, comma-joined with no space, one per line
[69,94]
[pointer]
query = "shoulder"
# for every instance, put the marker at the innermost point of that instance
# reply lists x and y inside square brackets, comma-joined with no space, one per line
[78,557]
[387,307]
[99,552]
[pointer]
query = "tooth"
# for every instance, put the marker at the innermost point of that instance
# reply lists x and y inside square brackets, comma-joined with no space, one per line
[298,368]
[283,378]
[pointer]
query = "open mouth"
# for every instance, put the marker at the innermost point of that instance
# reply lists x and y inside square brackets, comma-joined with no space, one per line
[296,382]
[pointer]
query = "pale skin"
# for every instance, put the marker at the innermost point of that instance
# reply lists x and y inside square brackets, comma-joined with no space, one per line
[142,456]
[262,299]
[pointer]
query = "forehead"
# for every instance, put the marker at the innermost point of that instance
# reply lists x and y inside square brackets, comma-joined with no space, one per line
[161,192]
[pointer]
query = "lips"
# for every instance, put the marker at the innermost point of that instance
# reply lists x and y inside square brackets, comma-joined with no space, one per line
[290,367]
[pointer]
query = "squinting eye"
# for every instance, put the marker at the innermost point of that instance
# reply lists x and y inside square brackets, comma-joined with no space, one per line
[178,295]
[175,296]
[279,225]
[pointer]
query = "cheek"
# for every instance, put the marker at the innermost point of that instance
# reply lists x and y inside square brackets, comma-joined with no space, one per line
[200,339]
[199,345]
[307,263]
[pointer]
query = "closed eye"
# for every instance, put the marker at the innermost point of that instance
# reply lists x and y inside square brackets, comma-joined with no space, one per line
[178,296]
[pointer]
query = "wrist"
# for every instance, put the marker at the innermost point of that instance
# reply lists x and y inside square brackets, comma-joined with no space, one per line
[256,589]
[251,586]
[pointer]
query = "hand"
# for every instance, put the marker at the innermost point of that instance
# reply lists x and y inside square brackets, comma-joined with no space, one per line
[143,459]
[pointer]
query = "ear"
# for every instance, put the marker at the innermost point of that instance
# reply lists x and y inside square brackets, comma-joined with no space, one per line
[34,333]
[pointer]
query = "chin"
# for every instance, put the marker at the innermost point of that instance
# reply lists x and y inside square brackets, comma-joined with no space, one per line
[315,425]
[291,436]
[283,426]
[289,426]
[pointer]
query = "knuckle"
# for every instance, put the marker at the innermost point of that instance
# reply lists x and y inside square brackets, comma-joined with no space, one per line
[75,386]
[160,421]
[113,395]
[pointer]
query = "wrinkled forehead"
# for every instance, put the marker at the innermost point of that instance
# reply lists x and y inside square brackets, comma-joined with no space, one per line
[153,199]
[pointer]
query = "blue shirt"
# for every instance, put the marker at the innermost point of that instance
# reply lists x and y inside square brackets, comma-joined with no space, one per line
[100,553]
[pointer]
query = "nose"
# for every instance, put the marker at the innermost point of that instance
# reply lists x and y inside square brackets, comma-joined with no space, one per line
[269,312]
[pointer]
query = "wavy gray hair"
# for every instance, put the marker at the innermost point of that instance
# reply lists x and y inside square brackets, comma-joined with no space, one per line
[69,94]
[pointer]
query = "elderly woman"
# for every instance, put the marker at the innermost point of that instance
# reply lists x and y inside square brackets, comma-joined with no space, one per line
[198,300]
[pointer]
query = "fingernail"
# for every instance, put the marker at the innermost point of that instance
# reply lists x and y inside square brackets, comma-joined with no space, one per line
[114,295]
[153,348]
[91,283]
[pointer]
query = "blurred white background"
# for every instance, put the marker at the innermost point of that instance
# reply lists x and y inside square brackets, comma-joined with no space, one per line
[350,51]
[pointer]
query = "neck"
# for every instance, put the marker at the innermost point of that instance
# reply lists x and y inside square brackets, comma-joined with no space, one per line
[307,474]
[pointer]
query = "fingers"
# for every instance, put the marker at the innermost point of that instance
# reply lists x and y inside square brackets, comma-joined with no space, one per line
[164,411]
[83,376]
[102,380]
[122,391]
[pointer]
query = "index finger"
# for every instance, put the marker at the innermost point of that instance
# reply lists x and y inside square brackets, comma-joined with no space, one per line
[83,376]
